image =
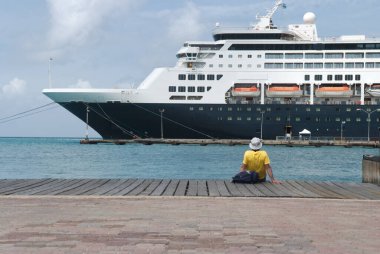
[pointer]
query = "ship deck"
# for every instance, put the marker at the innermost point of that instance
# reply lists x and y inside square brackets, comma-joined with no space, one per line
[187,188]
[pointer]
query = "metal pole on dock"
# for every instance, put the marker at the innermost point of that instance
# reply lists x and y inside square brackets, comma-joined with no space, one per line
[368,119]
[341,130]
[162,124]
[87,111]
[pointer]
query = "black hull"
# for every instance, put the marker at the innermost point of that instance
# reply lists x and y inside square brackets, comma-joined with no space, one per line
[127,120]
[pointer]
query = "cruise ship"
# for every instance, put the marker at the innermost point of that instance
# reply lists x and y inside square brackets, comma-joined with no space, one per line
[260,80]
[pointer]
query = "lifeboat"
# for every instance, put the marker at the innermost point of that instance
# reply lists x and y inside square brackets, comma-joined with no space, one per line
[374,90]
[334,91]
[284,91]
[245,91]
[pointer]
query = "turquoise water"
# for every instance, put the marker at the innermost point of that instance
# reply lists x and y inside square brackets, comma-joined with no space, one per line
[66,158]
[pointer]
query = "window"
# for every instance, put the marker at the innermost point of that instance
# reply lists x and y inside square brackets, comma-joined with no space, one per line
[348,77]
[278,119]
[191,108]
[350,65]
[358,119]
[191,77]
[194,98]
[329,77]
[329,65]
[182,89]
[178,98]
[259,66]
[201,77]
[313,55]
[373,55]
[208,88]
[289,66]
[298,119]
[338,77]
[200,89]
[182,77]
[200,108]
[258,56]
[172,89]
[220,65]
[318,77]
[354,55]
[210,77]
[298,66]
[307,77]
[370,65]
[293,56]
[274,66]
[219,77]
[334,55]
[229,56]
[211,65]
[229,109]
[309,66]
[238,118]
[274,56]
[220,56]
[230,66]
[318,65]
[249,56]
[359,65]
[240,66]
[338,65]
[377,65]
[240,56]
[249,66]
[191,89]
[357,77]
[249,118]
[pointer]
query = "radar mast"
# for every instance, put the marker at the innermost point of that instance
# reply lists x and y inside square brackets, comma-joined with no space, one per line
[265,22]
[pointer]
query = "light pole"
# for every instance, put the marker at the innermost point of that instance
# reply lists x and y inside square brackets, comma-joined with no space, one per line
[369,113]
[87,111]
[262,121]
[162,124]
[50,59]
[341,130]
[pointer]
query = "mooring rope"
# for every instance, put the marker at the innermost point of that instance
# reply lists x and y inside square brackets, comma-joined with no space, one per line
[27,113]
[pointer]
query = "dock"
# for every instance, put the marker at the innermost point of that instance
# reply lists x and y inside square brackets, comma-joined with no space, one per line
[234,142]
[188,188]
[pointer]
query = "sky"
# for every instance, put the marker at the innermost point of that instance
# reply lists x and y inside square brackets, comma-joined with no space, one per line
[117,43]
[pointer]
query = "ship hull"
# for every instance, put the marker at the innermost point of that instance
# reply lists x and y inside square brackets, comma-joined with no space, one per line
[240,121]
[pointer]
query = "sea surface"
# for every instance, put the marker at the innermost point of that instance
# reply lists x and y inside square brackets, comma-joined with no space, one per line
[66,158]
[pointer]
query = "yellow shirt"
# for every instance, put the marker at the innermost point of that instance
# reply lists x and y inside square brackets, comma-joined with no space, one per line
[255,161]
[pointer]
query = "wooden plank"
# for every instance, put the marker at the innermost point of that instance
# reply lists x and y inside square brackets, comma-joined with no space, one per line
[89,185]
[244,190]
[152,186]
[324,192]
[160,188]
[335,189]
[346,190]
[371,187]
[181,189]
[278,192]
[11,182]
[47,186]
[130,188]
[193,188]
[172,187]
[110,185]
[263,189]
[223,189]
[307,192]
[311,188]
[254,190]
[202,188]
[22,184]
[233,189]
[51,190]
[140,188]
[94,187]
[27,185]
[213,188]
[69,187]
[296,192]
[120,187]
[359,188]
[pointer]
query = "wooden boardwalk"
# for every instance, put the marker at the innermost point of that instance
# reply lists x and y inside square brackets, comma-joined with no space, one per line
[202,188]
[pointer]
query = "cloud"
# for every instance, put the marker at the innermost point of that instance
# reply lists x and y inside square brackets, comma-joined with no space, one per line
[185,23]
[73,22]
[15,87]
[82,84]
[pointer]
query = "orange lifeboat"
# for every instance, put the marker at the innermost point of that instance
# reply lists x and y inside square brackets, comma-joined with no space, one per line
[333,88]
[334,91]
[284,88]
[252,91]
[284,91]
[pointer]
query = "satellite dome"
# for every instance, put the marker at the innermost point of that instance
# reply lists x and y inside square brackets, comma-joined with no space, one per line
[309,18]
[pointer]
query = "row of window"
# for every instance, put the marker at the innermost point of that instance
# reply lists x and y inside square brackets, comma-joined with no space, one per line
[321,55]
[199,77]
[298,119]
[304,47]
[189,89]
[183,98]
[322,65]
[337,77]
[263,110]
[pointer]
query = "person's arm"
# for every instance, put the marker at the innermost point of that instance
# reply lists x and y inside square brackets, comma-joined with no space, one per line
[269,171]
[243,167]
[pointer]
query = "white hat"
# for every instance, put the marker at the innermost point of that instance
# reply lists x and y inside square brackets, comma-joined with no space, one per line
[255,144]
